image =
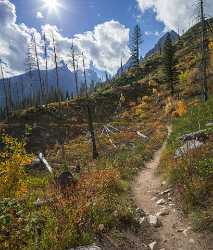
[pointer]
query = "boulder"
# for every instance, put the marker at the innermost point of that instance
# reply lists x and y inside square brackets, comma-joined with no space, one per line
[36,164]
[65,180]
[189,145]
[198,136]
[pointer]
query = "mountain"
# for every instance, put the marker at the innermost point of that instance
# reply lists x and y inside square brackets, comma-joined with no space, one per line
[125,67]
[160,44]
[22,85]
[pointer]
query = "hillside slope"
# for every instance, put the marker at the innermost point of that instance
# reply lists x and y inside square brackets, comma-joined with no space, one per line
[131,114]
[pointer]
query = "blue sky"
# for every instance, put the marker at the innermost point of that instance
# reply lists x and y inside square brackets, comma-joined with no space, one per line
[99,28]
[78,16]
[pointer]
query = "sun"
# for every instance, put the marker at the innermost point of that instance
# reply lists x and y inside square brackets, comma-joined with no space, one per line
[51,5]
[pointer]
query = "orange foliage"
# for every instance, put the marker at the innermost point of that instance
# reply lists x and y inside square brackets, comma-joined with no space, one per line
[181,108]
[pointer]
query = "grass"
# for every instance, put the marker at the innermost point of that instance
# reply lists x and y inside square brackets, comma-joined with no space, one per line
[99,201]
[192,173]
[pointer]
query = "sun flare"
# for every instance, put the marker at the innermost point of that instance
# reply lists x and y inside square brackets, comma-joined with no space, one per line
[51,5]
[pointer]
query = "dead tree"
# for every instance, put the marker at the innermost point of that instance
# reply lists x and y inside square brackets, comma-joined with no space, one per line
[30,65]
[75,69]
[5,91]
[204,51]
[56,71]
[46,63]
[89,113]
[38,65]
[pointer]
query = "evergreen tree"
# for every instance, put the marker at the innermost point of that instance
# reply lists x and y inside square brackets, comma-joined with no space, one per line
[136,41]
[169,64]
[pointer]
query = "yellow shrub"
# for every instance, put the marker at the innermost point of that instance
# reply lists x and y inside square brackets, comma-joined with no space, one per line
[13,158]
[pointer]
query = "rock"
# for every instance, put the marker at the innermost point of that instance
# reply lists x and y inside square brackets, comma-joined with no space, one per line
[153,245]
[191,241]
[65,179]
[189,145]
[197,136]
[140,212]
[142,221]
[101,227]
[115,213]
[153,221]
[154,198]
[166,191]
[163,212]
[161,202]
[163,183]
[36,165]
[180,230]
[186,231]
[92,247]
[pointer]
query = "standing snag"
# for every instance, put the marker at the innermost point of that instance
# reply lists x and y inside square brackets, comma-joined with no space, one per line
[169,64]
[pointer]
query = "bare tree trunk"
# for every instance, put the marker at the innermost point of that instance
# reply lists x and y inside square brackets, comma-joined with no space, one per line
[46,65]
[90,118]
[74,68]
[5,93]
[38,67]
[56,71]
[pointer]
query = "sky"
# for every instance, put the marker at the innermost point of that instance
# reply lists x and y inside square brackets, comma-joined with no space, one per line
[99,28]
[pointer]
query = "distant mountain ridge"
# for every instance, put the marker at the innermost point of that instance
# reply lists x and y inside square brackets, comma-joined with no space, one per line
[160,44]
[157,48]
[25,83]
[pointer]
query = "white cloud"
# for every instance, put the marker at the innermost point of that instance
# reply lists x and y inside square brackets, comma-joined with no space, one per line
[39,15]
[175,14]
[105,45]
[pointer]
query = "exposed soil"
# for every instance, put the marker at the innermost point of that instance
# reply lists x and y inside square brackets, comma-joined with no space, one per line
[175,232]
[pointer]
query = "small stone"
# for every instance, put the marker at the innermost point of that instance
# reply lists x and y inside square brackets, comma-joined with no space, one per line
[161,202]
[154,198]
[186,231]
[153,245]
[163,183]
[166,191]
[163,212]
[115,213]
[153,221]
[142,220]
[192,241]
[101,227]
[140,212]
[180,230]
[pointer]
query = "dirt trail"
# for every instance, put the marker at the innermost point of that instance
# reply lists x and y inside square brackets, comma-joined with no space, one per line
[175,232]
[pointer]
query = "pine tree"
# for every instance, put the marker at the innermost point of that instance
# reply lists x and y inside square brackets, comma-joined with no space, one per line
[169,63]
[136,41]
